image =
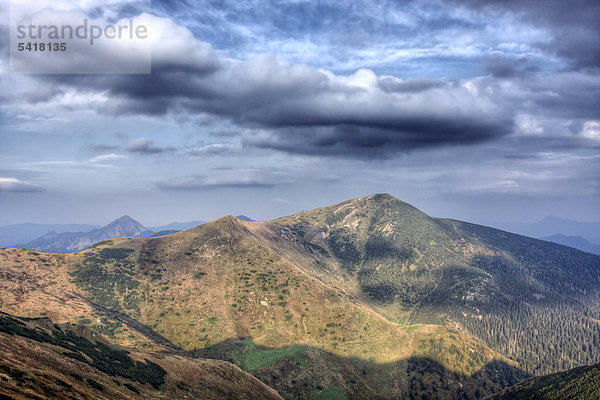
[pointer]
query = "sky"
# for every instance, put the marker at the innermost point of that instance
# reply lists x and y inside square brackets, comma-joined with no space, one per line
[484,112]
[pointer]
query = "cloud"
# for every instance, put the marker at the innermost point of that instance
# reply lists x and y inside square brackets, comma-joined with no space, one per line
[227,178]
[97,162]
[357,114]
[146,146]
[591,130]
[302,109]
[572,26]
[67,164]
[104,147]
[107,157]
[18,186]
[212,149]
[390,84]
[501,66]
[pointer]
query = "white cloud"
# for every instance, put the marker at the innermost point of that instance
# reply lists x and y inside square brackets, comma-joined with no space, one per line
[591,130]
[528,125]
[107,157]
[17,185]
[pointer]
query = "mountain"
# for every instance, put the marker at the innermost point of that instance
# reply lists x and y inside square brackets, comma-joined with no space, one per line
[40,359]
[574,241]
[164,233]
[216,292]
[177,226]
[554,225]
[582,383]
[12,235]
[244,218]
[369,298]
[506,289]
[71,242]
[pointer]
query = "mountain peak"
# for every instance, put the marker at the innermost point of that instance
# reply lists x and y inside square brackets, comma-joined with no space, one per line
[242,217]
[381,198]
[123,226]
[123,219]
[385,200]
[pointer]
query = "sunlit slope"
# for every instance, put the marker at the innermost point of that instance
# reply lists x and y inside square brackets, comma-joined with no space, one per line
[217,282]
[369,297]
[518,294]
[34,284]
[40,360]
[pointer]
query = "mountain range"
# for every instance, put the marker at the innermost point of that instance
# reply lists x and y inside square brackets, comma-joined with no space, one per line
[584,236]
[12,235]
[574,241]
[19,235]
[71,242]
[65,241]
[369,298]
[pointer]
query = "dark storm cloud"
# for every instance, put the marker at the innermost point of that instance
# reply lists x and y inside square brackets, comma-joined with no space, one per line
[327,114]
[372,141]
[300,109]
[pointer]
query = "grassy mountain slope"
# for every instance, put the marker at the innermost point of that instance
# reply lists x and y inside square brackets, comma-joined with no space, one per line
[582,383]
[42,360]
[509,290]
[367,298]
[219,284]
[35,284]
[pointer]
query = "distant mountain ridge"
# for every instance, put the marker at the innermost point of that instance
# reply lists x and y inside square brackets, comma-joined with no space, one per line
[11,235]
[176,226]
[71,242]
[553,225]
[577,242]
[70,238]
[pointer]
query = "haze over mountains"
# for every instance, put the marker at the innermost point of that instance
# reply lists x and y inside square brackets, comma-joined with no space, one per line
[584,236]
[70,242]
[574,241]
[369,298]
[72,238]
[12,235]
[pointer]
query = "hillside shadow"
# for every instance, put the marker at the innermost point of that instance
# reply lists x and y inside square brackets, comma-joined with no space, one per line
[304,372]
